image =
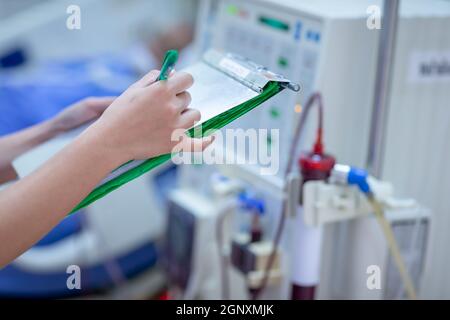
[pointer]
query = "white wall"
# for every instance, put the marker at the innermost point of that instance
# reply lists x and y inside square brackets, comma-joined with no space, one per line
[106,25]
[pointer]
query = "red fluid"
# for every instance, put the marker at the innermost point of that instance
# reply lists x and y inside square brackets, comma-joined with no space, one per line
[316,166]
[313,166]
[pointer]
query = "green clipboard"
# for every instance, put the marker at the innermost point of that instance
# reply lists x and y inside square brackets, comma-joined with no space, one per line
[226,87]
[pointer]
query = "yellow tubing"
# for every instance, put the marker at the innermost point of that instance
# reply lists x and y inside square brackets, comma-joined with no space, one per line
[393,247]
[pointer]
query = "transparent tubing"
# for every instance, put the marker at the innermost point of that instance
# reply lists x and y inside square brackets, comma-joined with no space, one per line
[292,154]
[393,247]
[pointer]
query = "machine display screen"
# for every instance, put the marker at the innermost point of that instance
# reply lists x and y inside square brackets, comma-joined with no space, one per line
[179,244]
[274,23]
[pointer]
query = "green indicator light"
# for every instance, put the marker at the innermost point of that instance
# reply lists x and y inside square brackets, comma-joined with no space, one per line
[274,112]
[274,23]
[269,140]
[232,10]
[283,62]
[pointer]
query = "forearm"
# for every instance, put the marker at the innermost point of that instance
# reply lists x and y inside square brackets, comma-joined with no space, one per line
[15,144]
[34,205]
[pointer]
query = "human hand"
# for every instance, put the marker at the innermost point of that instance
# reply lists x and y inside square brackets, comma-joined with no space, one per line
[139,124]
[80,113]
[14,145]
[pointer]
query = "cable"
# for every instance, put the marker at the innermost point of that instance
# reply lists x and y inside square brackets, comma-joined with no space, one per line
[292,154]
[393,246]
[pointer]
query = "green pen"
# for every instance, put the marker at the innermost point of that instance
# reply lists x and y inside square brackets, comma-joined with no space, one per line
[170,59]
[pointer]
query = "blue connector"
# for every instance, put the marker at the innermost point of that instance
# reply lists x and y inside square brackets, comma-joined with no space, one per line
[251,203]
[352,176]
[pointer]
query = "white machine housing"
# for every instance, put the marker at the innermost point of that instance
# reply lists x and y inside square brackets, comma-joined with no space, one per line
[192,250]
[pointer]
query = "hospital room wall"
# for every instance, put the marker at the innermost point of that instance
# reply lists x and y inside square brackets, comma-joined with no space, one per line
[106,26]
[417,127]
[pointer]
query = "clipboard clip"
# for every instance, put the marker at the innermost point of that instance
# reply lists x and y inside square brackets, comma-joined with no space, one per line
[292,86]
[245,71]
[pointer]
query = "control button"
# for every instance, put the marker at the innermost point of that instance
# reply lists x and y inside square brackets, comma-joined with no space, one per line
[274,112]
[283,62]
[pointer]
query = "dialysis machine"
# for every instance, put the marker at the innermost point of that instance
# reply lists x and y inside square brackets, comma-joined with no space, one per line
[115,243]
[327,46]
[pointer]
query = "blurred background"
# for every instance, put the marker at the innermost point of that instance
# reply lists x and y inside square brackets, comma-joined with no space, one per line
[183,231]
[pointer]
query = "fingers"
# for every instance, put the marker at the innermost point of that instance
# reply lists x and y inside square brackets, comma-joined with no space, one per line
[146,80]
[196,144]
[177,82]
[189,118]
[180,81]
[183,100]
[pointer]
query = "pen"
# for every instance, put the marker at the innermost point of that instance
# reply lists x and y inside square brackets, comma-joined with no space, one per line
[170,59]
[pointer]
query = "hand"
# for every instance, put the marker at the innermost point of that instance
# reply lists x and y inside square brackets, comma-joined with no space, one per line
[80,113]
[139,123]
[14,145]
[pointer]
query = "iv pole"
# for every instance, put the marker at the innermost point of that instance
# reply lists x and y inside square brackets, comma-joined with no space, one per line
[380,107]
[380,110]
